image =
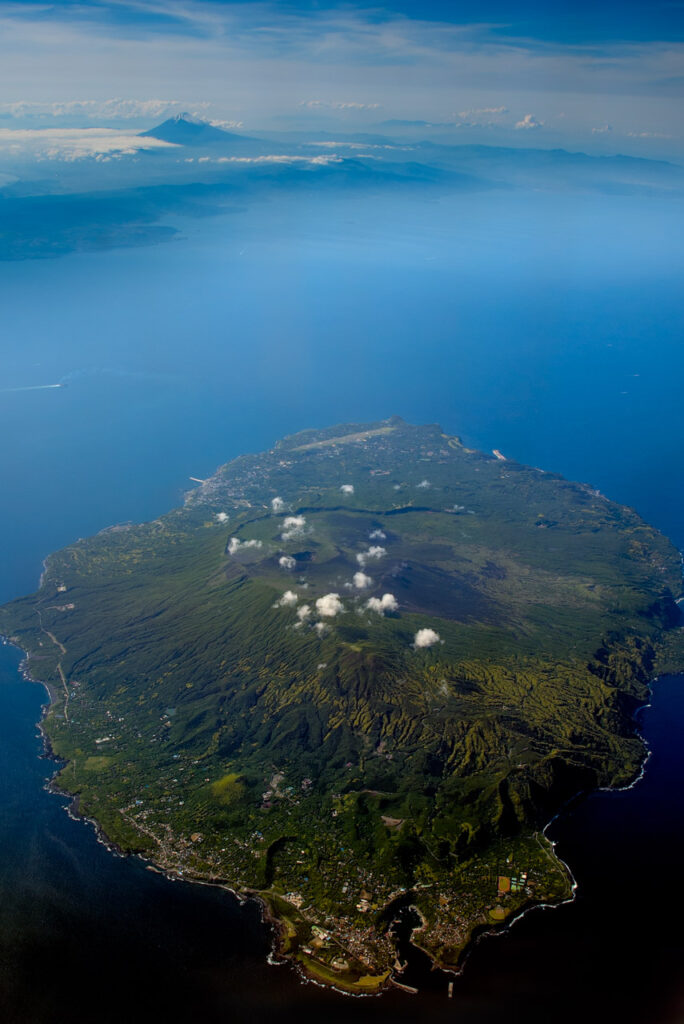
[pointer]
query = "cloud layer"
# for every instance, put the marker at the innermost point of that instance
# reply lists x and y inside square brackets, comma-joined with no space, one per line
[72,144]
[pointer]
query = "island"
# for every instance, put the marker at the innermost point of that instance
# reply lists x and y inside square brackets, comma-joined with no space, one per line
[355,674]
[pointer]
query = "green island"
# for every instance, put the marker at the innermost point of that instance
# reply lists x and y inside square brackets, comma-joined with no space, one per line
[355,673]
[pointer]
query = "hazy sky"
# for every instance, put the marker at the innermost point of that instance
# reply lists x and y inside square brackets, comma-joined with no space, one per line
[602,77]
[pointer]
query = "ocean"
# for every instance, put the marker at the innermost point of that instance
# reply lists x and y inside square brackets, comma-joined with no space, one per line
[550,329]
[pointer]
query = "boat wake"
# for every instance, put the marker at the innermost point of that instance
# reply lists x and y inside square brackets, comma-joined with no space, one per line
[32,387]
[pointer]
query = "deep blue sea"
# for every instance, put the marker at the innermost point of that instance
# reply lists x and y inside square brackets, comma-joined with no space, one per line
[548,327]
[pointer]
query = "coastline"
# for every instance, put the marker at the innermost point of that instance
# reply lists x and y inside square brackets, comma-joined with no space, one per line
[279,956]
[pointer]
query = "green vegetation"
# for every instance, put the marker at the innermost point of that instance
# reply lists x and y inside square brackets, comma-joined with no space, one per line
[215,718]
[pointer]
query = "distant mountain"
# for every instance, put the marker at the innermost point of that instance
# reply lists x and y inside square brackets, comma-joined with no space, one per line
[186,130]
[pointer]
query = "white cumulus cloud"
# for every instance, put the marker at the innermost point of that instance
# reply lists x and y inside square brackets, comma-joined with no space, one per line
[386,603]
[235,544]
[329,606]
[277,505]
[288,600]
[287,562]
[377,535]
[528,122]
[222,517]
[426,638]
[304,612]
[424,484]
[321,628]
[293,526]
[347,488]
[361,581]
[374,551]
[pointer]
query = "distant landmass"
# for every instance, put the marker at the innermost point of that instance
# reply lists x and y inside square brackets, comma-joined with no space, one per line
[134,197]
[354,674]
[185,130]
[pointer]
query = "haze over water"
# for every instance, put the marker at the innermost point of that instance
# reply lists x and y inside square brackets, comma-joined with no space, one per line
[516,321]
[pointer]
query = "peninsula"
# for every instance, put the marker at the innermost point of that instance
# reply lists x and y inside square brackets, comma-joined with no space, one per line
[357,672]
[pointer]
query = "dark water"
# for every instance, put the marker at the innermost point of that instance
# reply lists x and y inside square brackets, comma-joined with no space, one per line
[565,354]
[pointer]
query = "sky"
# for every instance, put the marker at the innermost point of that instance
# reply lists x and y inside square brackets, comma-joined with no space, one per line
[598,77]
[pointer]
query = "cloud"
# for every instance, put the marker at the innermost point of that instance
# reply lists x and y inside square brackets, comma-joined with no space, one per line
[304,612]
[338,105]
[329,606]
[426,638]
[336,60]
[361,581]
[377,535]
[277,505]
[235,544]
[424,484]
[365,146]
[648,135]
[478,117]
[222,517]
[374,551]
[347,488]
[95,110]
[293,526]
[386,603]
[288,600]
[71,144]
[227,125]
[529,121]
[277,158]
[603,129]
[479,111]
[287,562]
[321,628]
